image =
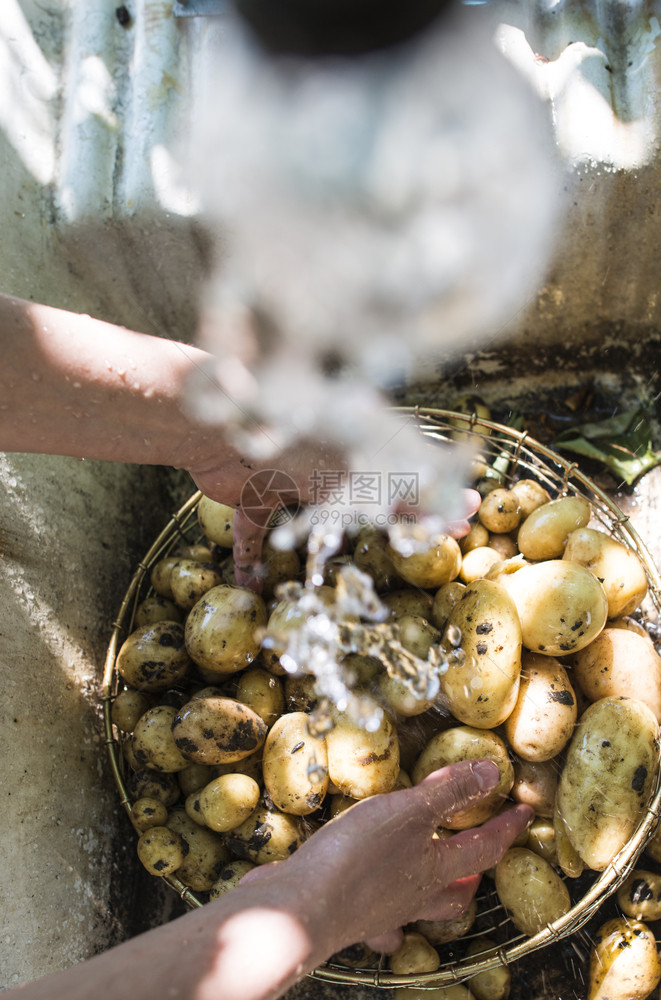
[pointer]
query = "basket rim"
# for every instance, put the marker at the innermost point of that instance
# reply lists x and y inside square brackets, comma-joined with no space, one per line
[430,422]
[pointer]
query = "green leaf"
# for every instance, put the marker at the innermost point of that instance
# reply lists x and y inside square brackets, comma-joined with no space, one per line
[622,442]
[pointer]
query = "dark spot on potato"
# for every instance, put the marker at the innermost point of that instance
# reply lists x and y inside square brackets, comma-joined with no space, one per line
[561,697]
[605,743]
[484,628]
[639,777]
[541,647]
[639,891]
[244,736]
[160,864]
[298,746]
[314,800]
[481,648]
[208,734]
[565,645]
[186,745]
[576,625]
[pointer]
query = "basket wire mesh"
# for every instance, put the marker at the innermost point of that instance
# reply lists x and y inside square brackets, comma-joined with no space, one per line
[516,456]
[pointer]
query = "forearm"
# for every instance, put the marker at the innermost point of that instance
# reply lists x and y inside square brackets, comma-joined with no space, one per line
[73,385]
[251,945]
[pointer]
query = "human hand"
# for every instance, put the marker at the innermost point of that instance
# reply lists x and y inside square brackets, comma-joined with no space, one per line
[289,479]
[379,866]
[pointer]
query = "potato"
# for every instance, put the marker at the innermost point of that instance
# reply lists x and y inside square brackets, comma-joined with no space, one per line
[146,813]
[362,763]
[477,563]
[541,839]
[610,771]
[300,693]
[640,895]
[227,801]
[161,850]
[221,630]
[276,567]
[206,852]
[482,691]
[568,859]
[618,569]
[437,565]
[154,657]
[153,743]
[562,607]
[370,555]
[216,521]
[356,956]
[445,599]
[542,720]
[467,743]
[500,511]
[127,708]
[267,835]
[620,663]
[414,955]
[229,877]
[624,964]
[190,579]
[492,984]
[407,602]
[399,697]
[530,495]
[530,890]
[339,803]
[417,635]
[477,537]
[287,617]
[535,785]
[200,553]
[261,691]
[159,576]
[295,765]
[439,932]
[251,765]
[156,609]
[544,533]
[504,545]
[153,785]
[217,730]
[193,809]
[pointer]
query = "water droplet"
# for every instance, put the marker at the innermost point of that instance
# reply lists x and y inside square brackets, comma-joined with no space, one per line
[453,635]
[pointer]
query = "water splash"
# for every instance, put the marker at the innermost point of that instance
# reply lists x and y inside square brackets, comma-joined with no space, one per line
[353,623]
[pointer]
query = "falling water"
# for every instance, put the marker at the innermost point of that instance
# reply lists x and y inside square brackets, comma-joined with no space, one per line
[373,215]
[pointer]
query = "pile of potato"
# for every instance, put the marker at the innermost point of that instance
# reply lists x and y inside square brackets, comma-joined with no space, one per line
[547,674]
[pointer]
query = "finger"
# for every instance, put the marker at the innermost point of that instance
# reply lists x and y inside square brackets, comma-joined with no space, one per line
[259,873]
[456,786]
[472,501]
[387,942]
[477,849]
[453,901]
[247,550]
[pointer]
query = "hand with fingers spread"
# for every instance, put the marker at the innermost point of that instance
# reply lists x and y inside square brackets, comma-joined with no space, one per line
[389,869]
[359,878]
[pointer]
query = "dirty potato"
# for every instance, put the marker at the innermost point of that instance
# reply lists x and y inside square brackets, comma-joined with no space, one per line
[154,657]
[221,630]
[217,730]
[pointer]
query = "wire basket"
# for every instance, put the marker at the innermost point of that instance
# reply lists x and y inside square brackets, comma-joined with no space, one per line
[509,455]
